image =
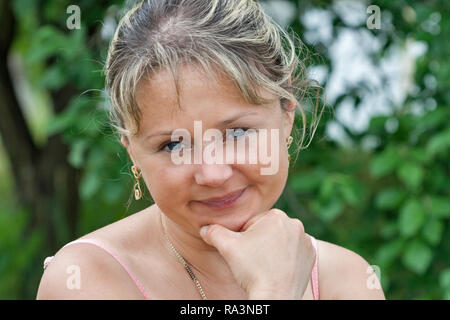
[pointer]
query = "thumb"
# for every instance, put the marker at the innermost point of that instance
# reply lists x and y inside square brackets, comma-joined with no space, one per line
[217,235]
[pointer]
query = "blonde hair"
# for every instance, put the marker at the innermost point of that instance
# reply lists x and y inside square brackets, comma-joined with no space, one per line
[235,37]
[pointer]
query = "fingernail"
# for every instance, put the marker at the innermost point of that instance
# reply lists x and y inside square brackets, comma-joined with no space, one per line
[203,230]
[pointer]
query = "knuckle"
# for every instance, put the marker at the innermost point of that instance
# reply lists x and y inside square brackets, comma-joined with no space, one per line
[299,225]
[278,218]
[278,212]
[278,215]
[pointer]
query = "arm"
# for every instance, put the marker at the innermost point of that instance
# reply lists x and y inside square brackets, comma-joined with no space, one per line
[83,271]
[343,275]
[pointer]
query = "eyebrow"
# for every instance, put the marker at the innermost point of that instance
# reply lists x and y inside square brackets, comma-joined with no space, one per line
[220,124]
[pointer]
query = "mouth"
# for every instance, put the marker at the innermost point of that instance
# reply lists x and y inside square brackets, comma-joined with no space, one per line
[223,202]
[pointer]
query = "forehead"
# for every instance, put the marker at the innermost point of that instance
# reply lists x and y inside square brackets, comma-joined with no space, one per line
[200,97]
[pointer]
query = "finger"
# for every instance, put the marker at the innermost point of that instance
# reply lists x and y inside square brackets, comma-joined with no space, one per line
[253,220]
[218,236]
[298,224]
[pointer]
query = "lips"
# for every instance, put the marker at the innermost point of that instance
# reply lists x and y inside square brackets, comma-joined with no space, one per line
[225,200]
[226,197]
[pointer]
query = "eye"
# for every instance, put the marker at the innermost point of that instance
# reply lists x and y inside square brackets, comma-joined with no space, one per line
[171,146]
[235,133]
[238,132]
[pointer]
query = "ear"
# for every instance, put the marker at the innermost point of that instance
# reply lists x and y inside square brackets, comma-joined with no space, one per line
[288,118]
[126,143]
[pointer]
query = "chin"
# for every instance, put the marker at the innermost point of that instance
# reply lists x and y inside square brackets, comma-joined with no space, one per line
[233,220]
[233,223]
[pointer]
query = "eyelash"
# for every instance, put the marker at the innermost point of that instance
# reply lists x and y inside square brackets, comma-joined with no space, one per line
[170,142]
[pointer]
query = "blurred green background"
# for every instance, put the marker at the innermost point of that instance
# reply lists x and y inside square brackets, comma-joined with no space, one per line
[375,179]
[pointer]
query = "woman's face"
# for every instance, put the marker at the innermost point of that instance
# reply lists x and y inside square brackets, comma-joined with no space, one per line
[178,189]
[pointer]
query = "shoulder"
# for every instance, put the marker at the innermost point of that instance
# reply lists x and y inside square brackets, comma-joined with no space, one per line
[86,271]
[345,275]
[81,272]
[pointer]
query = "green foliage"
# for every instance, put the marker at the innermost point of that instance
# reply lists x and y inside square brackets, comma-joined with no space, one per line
[389,203]
[18,254]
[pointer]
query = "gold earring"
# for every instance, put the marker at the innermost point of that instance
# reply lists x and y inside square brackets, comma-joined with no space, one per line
[288,142]
[137,187]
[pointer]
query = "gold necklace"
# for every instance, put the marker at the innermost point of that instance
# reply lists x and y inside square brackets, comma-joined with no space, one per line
[184,263]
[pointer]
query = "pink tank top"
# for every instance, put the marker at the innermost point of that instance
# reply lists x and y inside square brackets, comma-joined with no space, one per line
[314,273]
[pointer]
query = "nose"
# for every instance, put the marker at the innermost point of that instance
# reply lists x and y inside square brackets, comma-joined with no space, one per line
[213,175]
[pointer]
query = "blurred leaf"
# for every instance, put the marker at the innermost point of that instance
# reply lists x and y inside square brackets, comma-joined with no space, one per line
[54,78]
[112,191]
[329,210]
[351,191]
[89,185]
[389,229]
[433,118]
[23,9]
[389,198]
[76,155]
[411,218]
[307,181]
[444,279]
[378,123]
[417,256]
[446,295]
[47,41]
[439,143]
[384,163]
[433,230]
[328,187]
[420,155]
[411,174]
[388,252]
[95,159]
[71,118]
[437,206]
[59,123]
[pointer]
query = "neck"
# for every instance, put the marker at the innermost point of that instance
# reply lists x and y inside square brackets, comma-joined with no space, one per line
[205,261]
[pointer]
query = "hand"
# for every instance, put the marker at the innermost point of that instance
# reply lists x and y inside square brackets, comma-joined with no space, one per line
[270,258]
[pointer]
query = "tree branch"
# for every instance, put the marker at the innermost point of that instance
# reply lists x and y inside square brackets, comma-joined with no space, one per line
[14,130]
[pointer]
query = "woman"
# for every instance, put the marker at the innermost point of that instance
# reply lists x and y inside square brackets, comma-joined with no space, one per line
[194,66]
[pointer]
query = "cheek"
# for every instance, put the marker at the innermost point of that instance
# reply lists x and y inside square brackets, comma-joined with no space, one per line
[270,186]
[166,180]
[271,153]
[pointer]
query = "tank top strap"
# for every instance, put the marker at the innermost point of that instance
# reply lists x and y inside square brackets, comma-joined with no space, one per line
[315,271]
[114,255]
